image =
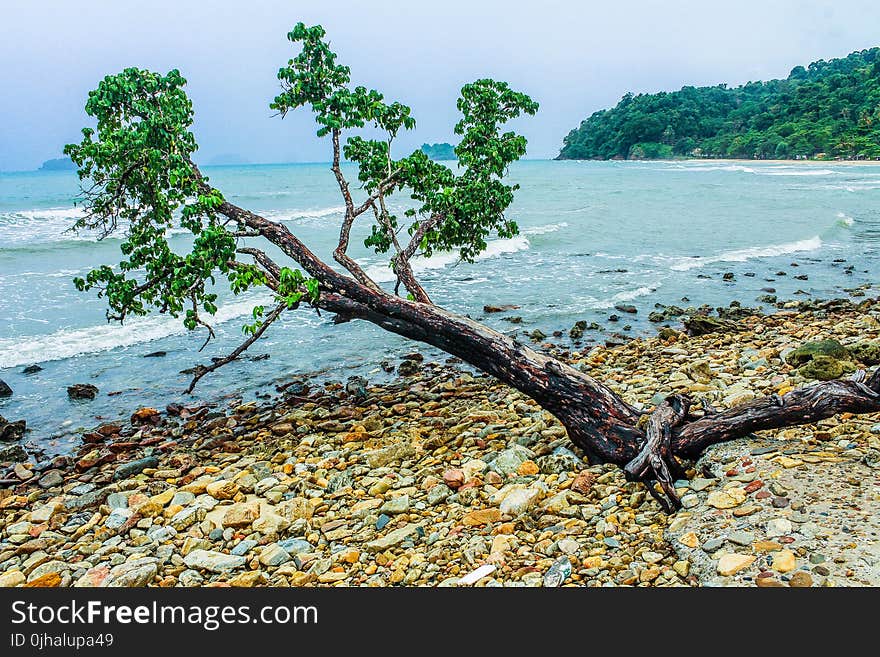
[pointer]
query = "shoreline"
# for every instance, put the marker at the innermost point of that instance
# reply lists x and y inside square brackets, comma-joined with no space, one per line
[727,160]
[441,478]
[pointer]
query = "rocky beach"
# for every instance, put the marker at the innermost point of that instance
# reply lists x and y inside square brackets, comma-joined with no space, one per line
[444,477]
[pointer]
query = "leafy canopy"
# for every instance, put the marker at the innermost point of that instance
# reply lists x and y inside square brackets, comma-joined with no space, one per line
[138,176]
[472,203]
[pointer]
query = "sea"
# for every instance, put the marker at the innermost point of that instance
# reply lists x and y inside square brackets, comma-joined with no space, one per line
[593,235]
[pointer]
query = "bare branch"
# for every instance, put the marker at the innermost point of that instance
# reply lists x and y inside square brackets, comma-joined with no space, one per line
[401,265]
[428,224]
[263,260]
[340,254]
[202,370]
[383,187]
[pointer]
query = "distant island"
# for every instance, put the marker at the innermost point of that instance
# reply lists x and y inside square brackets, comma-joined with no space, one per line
[828,110]
[58,164]
[442,151]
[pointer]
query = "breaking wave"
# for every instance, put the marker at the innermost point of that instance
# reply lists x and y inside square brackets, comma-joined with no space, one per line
[742,255]
[67,343]
[381,273]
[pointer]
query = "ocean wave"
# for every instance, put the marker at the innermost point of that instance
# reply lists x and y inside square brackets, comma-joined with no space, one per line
[67,343]
[782,171]
[626,295]
[742,255]
[381,273]
[714,167]
[50,213]
[543,230]
[853,186]
[759,170]
[36,228]
[298,215]
[52,225]
[844,220]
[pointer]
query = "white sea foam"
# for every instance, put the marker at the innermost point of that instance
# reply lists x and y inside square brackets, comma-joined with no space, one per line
[782,170]
[51,213]
[381,273]
[626,295]
[66,343]
[721,167]
[297,215]
[52,225]
[543,230]
[742,255]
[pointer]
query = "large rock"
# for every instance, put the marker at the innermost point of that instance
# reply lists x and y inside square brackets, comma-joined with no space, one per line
[241,515]
[392,538]
[222,489]
[5,390]
[12,578]
[13,453]
[136,573]
[11,430]
[703,324]
[519,501]
[216,562]
[507,462]
[729,564]
[274,555]
[390,455]
[823,368]
[726,499]
[296,508]
[810,350]
[82,391]
[867,353]
[135,467]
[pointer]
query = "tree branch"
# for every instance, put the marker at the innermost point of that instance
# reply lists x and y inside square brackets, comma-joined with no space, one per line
[202,370]
[421,230]
[340,254]
[401,265]
[269,265]
[803,405]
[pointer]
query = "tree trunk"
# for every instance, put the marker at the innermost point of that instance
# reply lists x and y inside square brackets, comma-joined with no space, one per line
[598,421]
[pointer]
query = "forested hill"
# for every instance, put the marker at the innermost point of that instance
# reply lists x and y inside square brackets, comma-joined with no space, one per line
[830,107]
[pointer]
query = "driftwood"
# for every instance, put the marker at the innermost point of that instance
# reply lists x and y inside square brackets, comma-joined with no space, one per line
[603,425]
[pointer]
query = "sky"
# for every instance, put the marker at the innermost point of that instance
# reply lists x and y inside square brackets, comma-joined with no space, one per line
[572,57]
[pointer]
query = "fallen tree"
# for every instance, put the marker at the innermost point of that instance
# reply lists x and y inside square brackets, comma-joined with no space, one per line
[138,176]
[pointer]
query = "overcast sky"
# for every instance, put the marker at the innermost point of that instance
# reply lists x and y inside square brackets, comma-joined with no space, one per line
[573,57]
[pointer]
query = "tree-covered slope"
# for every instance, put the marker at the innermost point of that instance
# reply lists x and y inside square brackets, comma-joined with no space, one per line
[831,108]
[444,151]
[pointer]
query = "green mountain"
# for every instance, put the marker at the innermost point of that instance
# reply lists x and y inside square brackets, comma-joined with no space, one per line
[58,164]
[439,151]
[831,109]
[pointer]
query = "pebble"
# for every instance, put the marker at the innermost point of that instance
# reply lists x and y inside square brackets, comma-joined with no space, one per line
[425,481]
[135,467]
[712,544]
[801,579]
[216,562]
[784,561]
[396,505]
[741,537]
[274,555]
[778,527]
[729,564]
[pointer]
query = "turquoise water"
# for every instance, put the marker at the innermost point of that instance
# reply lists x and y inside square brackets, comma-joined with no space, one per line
[593,234]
